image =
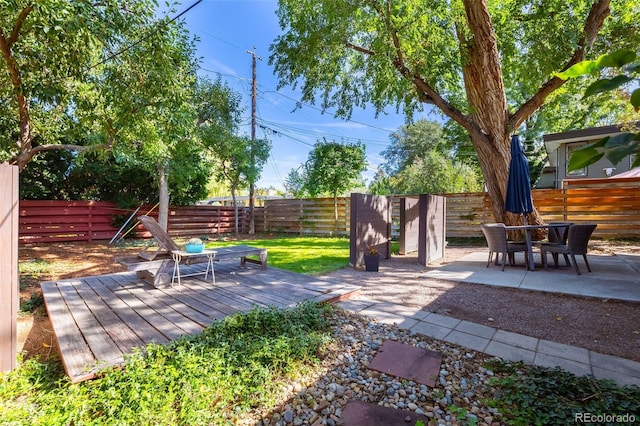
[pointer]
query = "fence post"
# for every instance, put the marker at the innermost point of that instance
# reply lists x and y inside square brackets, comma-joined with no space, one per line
[565,207]
[9,283]
[90,231]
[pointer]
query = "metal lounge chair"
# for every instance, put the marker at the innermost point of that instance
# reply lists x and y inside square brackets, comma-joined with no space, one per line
[496,236]
[577,242]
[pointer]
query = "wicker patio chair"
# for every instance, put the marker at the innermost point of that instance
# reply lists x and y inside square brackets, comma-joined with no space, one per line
[577,242]
[496,236]
[558,234]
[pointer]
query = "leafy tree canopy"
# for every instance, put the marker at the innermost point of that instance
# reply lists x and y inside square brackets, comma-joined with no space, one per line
[488,66]
[420,160]
[294,183]
[102,74]
[619,72]
[333,168]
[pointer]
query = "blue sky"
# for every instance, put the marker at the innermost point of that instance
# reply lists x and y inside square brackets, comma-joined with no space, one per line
[227,29]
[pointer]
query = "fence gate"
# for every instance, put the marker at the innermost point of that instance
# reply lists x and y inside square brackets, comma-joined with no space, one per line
[8,266]
[409,224]
[422,227]
[432,228]
[370,225]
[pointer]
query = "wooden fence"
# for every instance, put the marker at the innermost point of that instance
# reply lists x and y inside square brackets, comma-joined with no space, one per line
[313,216]
[614,206]
[49,221]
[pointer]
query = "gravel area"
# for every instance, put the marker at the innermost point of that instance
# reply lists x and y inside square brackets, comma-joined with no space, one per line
[460,394]
[606,326]
[463,385]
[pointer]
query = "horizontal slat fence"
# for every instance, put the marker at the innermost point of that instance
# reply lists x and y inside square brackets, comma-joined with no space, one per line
[49,221]
[615,208]
[314,216]
[46,221]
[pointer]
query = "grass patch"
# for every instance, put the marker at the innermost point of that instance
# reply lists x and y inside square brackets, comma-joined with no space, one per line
[32,303]
[31,271]
[304,255]
[34,267]
[217,377]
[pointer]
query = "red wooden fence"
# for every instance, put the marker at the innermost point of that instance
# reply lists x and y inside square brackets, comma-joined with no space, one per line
[49,221]
[45,221]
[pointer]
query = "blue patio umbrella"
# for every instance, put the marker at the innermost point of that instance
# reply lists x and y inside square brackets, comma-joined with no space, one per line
[518,199]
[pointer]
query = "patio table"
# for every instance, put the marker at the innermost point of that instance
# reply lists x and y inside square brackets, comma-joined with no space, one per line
[527,237]
[178,255]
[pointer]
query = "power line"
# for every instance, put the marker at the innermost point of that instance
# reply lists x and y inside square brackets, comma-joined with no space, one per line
[140,40]
[323,111]
[270,90]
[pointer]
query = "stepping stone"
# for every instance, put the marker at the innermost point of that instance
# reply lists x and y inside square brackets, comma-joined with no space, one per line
[358,413]
[407,362]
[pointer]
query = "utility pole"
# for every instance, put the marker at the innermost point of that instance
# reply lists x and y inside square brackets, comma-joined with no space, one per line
[252,160]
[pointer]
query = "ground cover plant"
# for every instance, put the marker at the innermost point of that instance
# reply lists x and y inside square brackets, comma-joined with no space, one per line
[236,364]
[534,395]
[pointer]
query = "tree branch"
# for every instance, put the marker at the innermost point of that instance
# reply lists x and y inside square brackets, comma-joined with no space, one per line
[15,32]
[597,15]
[360,49]
[68,147]
[426,93]
[24,140]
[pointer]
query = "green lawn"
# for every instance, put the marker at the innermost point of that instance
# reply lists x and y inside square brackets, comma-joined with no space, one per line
[305,255]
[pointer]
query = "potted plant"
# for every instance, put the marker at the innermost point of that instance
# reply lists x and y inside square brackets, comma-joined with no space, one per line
[371,259]
[194,245]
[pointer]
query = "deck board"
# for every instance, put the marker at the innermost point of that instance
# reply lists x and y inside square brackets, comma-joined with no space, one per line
[123,337]
[99,320]
[95,335]
[129,317]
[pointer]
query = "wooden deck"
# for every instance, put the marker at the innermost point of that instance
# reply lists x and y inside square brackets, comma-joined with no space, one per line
[98,320]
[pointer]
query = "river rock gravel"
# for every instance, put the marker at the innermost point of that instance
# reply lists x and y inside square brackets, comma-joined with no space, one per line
[459,397]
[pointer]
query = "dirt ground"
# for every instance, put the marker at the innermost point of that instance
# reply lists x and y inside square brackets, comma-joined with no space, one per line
[605,326]
[50,262]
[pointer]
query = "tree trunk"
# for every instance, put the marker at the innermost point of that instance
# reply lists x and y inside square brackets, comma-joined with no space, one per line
[490,123]
[335,212]
[252,208]
[235,206]
[485,90]
[163,193]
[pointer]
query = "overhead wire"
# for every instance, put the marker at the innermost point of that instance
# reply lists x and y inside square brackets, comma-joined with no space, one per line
[262,89]
[283,129]
[145,37]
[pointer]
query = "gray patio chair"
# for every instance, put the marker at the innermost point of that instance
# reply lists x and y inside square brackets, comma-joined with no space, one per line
[496,236]
[558,234]
[577,242]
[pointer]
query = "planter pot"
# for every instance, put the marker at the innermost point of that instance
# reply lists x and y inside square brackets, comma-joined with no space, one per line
[194,248]
[371,262]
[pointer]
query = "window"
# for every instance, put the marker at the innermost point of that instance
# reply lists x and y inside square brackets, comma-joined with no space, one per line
[632,158]
[571,148]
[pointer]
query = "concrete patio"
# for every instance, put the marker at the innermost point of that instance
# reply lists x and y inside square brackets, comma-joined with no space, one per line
[613,277]
[500,343]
